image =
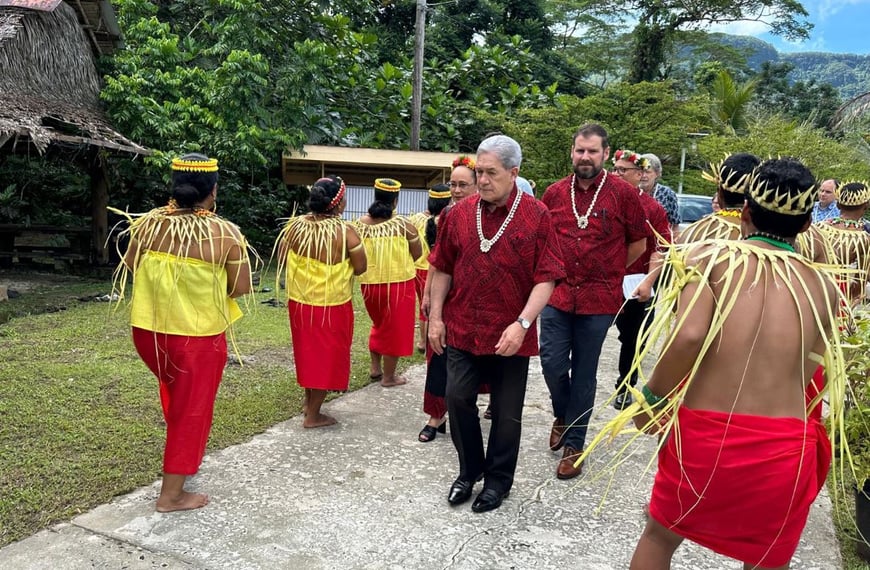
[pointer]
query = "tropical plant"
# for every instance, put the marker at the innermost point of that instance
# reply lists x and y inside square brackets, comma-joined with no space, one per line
[857,422]
[730,101]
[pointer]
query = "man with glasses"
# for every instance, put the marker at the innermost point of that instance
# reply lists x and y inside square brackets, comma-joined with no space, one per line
[601,230]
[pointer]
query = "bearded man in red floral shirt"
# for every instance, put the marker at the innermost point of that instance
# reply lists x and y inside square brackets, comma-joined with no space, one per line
[493,268]
[601,229]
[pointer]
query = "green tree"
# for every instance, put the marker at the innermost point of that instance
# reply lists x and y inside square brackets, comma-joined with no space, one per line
[730,102]
[804,101]
[660,23]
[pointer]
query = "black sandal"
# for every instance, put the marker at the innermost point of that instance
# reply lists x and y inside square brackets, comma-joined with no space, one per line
[428,433]
[487,414]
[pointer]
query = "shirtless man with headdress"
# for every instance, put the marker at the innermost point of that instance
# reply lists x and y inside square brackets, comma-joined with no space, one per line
[749,320]
[731,177]
[849,241]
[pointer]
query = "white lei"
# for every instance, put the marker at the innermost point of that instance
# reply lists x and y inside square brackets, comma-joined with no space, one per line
[486,244]
[583,221]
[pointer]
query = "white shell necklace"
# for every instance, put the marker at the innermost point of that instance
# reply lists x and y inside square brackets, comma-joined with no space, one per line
[486,244]
[583,221]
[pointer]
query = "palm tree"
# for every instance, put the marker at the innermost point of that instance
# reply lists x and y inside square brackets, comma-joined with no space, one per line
[731,101]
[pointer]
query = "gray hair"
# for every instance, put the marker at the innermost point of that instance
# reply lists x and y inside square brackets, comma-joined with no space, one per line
[505,148]
[654,161]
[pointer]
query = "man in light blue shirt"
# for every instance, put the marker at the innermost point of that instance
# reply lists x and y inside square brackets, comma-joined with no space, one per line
[826,208]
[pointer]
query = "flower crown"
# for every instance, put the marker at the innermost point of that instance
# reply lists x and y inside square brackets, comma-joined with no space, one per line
[342,188]
[632,157]
[465,161]
[187,165]
[388,184]
[853,193]
[726,178]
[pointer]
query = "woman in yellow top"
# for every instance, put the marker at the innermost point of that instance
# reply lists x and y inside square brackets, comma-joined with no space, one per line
[392,244]
[188,266]
[439,198]
[320,255]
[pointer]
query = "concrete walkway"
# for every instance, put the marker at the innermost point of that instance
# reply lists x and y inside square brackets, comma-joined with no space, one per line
[366,494]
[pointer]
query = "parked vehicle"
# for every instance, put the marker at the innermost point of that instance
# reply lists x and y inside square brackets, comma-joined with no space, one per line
[693,207]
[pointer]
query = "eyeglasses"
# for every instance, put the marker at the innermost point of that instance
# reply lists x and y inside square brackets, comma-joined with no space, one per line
[460,185]
[623,170]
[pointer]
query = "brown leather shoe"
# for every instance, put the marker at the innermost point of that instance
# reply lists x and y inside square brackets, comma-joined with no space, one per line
[566,469]
[556,434]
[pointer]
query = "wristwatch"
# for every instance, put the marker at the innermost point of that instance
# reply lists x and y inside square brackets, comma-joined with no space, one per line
[525,323]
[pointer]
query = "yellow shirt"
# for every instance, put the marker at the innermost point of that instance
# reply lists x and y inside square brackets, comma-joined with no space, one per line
[314,282]
[389,260]
[420,220]
[181,295]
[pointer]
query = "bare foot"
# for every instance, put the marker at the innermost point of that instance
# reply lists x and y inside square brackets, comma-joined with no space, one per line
[320,420]
[305,404]
[184,502]
[376,375]
[394,381]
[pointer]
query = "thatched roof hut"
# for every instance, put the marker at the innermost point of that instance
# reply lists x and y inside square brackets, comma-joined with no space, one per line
[49,86]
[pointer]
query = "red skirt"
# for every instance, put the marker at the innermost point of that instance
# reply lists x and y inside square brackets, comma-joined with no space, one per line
[419,287]
[740,485]
[322,338]
[391,308]
[189,369]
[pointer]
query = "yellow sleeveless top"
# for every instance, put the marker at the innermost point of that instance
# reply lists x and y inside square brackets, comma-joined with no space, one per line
[420,220]
[314,282]
[389,260]
[181,295]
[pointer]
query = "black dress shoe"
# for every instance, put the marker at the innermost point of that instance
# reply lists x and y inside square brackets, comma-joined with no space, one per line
[488,500]
[622,400]
[460,491]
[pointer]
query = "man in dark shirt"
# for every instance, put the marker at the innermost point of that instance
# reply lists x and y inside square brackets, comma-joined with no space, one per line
[493,268]
[601,229]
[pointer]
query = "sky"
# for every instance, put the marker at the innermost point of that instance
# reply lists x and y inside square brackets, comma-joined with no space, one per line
[840,26]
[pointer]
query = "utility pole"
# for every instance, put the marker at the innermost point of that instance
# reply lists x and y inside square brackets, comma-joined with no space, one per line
[417,84]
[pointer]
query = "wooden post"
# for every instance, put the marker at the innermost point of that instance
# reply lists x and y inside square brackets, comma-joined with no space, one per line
[99,213]
[417,84]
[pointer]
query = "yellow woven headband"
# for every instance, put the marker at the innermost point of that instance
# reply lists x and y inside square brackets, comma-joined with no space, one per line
[783,202]
[856,195]
[437,195]
[210,165]
[387,184]
[734,183]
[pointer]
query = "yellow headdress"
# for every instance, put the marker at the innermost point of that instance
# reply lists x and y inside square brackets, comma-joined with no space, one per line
[437,193]
[853,194]
[726,178]
[779,200]
[190,164]
[388,184]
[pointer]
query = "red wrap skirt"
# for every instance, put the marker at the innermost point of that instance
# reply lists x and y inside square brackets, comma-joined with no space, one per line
[189,369]
[391,308]
[322,338]
[740,485]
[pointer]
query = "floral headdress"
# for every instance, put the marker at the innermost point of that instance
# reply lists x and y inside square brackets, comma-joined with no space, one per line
[853,193]
[336,200]
[438,192]
[632,157]
[466,161]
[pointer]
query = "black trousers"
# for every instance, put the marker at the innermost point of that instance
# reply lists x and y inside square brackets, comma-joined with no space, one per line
[629,322]
[507,378]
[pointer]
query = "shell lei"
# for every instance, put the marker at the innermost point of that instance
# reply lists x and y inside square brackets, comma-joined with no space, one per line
[309,238]
[675,276]
[180,229]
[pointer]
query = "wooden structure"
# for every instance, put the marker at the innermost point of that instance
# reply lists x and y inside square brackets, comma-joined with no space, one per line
[360,166]
[49,90]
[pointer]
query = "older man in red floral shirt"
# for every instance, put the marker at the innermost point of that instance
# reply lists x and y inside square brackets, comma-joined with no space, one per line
[602,229]
[494,266]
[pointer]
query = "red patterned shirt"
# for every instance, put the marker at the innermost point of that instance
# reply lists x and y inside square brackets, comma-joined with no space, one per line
[594,257]
[489,290]
[657,217]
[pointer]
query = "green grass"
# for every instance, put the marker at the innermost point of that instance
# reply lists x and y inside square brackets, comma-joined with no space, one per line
[80,419]
[844,525]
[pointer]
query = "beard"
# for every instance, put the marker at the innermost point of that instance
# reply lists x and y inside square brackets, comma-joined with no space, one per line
[590,172]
